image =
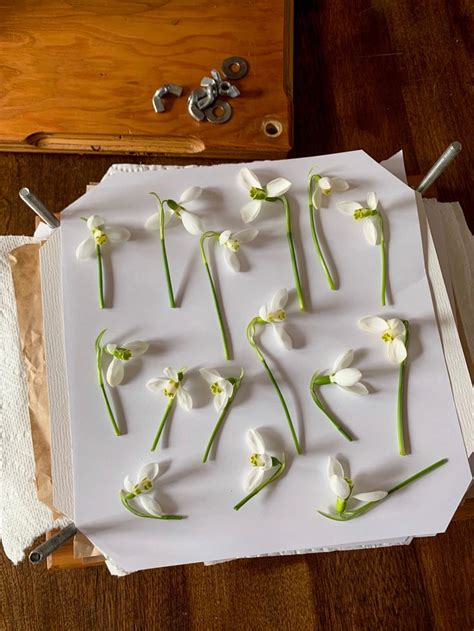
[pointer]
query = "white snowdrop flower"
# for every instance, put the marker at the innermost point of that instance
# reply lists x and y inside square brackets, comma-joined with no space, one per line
[392,332]
[260,460]
[100,234]
[275,315]
[122,354]
[142,491]
[326,186]
[259,193]
[171,386]
[369,215]
[342,486]
[220,387]
[231,242]
[347,378]
[189,220]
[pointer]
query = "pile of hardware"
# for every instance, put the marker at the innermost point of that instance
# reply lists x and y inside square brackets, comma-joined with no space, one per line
[204,102]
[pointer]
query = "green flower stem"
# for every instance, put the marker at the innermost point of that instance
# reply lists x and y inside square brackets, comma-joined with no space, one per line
[319,403]
[384,261]
[314,232]
[278,473]
[250,338]
[204,236]
[161,427]
[100,273]
[401,397]
[294,264]
[163,252]
[220,420]
[124,498]
[100,380]
[370,505]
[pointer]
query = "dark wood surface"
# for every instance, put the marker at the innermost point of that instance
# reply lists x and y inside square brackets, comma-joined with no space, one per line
[378,75]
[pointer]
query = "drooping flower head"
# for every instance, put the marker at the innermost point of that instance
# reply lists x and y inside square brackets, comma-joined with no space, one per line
[100,234]
[369,215]
[220,387]
[342,487]
[260,460]
[347,378]
[275,314]
[232,241]
[392,332]
[177,209]
[172,386]
[326,186]
[259,193]
[121,355]
[142,490]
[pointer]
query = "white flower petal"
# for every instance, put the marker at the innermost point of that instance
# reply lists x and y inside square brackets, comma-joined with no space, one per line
[150,505]
[190,194]
[115,372]
[371,228]
[372,201]
[254,478]
[227,387]
[316,198]
[344,360]
[224,236]
[278,186]
[267,459]
[156,385]
[279,300]
[255,442]
[248,179]
[95,221]
[357,388]
[184,399]
[246,235]
[232,260]
[110,348]
[335,467]
[282,336]
[128,484]
[397,351]
[152,224]
[220,400]
[150,471]
[373,496]
[324,183]
[117,234]
[171,373]
[348,208]
[263,313]
[339,185]
[85,249]
[210,375]
[190,222]
[396,326]
[339,486]
[250,211]
[347,377]
[374,324]
[137,347]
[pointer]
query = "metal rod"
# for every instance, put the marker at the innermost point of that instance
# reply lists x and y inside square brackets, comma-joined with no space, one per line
[439,166]
[38,207]
[40,554]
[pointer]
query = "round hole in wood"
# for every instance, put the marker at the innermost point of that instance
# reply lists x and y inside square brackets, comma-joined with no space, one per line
[272,128]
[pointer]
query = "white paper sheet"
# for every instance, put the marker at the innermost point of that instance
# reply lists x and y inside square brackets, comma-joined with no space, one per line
[189,335]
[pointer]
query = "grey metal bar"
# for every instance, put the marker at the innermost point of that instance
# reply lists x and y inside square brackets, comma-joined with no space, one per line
[40,554]
[38,207]
[439,166]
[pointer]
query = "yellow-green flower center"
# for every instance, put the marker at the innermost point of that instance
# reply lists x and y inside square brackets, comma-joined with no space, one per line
[122,353]
[233,245]
[143,486]
[215,388]
[257,193]
[277,316]
[388,336]
[256,460]
[362,213]
[326,191]
[170,389]
[99,236]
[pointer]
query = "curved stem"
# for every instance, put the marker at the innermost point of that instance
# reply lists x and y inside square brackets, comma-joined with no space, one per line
[221,418]
[100,273]
[162,424]
[326,412]
[314,232]
[291,245]
[370,505]
[138,513]
[164,255]
[384,261]
[250,337]
[100,380]
[278,473]
[215,298]
[401,397]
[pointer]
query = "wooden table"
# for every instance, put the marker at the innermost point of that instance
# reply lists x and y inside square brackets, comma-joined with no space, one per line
[373,75]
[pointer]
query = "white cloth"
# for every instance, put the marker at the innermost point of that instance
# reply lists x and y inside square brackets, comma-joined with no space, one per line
[22,516]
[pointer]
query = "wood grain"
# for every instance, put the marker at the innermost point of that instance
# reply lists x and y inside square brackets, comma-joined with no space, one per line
[79,76]
[377,75]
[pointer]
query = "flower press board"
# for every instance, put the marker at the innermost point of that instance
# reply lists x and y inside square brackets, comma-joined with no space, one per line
[80,77]
[283,517]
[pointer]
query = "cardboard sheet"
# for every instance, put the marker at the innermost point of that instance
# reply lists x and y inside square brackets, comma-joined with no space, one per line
[282,517]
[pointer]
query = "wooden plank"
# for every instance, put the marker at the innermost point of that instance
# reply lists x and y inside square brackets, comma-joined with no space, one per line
[79,77]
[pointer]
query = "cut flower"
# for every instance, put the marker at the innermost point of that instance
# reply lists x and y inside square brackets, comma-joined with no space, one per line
[231,243]
[120,356]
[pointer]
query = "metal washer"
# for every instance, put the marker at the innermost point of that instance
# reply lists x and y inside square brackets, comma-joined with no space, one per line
[218,120]
[231,74]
